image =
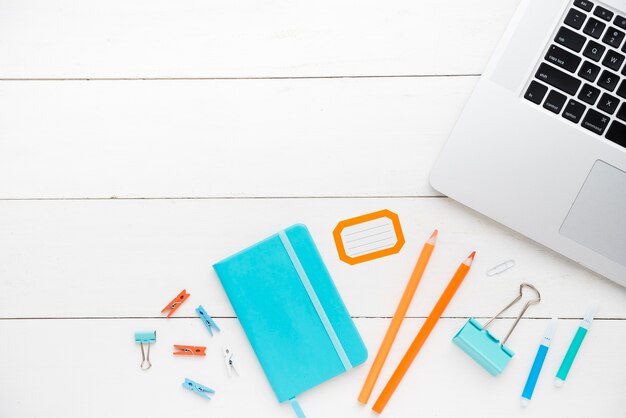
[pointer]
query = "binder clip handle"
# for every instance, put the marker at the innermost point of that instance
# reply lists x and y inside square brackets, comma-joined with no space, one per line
[145,360]
[513,302]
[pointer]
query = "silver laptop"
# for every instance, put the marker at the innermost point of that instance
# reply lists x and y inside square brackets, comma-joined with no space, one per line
[541,143]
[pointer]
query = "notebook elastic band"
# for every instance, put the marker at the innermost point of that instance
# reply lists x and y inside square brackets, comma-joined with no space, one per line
[297,408]
[316,302]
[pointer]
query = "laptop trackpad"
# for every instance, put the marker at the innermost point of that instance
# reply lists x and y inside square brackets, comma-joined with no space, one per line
[597,218]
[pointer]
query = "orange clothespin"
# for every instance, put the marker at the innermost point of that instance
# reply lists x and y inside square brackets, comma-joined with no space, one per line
[176,302]
[189,350]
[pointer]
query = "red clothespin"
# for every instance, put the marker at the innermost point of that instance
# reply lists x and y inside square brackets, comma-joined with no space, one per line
[189,350]
[176,302]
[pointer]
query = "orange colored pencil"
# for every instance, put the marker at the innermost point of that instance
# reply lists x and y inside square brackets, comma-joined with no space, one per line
[398,317]
[423,334]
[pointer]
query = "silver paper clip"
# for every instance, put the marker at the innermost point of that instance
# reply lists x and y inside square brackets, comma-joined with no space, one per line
[228,360]
[146,337]
[501,268]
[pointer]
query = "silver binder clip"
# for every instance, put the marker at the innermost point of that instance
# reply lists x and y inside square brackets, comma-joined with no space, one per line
[228,360]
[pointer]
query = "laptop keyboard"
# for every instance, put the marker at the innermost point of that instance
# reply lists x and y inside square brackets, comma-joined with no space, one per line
[582,76]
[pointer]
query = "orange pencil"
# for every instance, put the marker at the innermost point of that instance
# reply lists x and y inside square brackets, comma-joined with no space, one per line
[423,334]
[398,317]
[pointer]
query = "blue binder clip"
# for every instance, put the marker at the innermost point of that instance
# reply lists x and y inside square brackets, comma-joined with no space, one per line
[198,388]
[208,322]
[482,346]
[145,337]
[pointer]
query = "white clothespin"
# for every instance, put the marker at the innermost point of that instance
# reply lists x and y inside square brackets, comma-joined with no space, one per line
[228,360]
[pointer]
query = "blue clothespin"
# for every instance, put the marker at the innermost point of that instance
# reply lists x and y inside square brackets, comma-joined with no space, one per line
[492,354]
[207,320]
[198,388]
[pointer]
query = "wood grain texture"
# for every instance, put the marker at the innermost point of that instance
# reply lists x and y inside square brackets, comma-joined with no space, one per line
[130,257]
[91,368]
[277,38]
[234,138]
[223,122]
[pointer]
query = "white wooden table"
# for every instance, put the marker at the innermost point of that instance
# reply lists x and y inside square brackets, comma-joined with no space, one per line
[141,141]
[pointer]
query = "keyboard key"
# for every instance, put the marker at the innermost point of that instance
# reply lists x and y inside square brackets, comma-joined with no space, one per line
[608,80]
[535,92]
[594,27]
[603,13]
[574,111]
[589,71]
[620,21]
[613,37]
[584,4]
[589,94]
[621,113]
[595,121]
[555,101]
[570,39]
[594,51]
[621,91]
[557,78]
[617,133]
[562,58]
[608,103]
[575,18]
[613,60]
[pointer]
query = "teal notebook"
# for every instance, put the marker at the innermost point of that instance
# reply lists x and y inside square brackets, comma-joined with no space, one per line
[291,312]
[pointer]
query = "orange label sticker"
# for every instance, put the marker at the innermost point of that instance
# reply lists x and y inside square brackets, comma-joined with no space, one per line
[368,237]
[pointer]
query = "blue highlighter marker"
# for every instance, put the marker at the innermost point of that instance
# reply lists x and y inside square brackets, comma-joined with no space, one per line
[529,388]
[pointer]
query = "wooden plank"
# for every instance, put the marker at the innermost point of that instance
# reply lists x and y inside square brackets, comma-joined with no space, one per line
[191,38]
[78,368]
[323,137]
[103,258]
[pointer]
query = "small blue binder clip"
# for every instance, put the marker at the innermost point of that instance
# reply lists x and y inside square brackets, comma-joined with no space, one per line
[207,320]
[145,337]
[482,346]
[198,388]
